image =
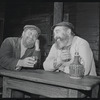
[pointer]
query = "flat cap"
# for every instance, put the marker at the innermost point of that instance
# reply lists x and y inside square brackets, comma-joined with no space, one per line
[66,24]
[32,27]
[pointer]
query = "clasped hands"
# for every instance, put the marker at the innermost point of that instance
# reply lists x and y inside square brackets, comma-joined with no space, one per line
[28,62]
[65,55]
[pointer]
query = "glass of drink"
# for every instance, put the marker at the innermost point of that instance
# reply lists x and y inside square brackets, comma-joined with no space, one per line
[67,55]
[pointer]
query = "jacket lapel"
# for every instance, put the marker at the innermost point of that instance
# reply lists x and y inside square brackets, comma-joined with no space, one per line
[28,53]
[18,48]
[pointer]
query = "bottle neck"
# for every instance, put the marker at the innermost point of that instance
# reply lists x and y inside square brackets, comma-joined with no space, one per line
[76,58]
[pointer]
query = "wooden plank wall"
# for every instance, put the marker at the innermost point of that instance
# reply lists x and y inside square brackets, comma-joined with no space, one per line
[87,25]
[2,13]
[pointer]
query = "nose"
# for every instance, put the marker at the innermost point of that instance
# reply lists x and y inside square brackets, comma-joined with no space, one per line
[58,40]
[30,36]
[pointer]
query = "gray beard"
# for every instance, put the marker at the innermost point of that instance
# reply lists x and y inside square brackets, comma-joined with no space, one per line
[58,46]
[29,45]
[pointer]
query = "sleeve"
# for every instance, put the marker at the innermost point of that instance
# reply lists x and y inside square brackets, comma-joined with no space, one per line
[7,59]
[48,63]
[86,56]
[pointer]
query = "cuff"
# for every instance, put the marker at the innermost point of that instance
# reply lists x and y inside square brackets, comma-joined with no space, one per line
[18,68]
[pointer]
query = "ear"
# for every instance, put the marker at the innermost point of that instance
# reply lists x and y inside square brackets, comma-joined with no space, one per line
[69,32]
[23,33]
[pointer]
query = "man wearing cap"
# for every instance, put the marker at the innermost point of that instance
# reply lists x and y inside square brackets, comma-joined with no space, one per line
[62,52]
[21,53]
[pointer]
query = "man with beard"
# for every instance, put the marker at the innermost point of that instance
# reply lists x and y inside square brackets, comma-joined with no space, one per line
[21,53]
[62,52]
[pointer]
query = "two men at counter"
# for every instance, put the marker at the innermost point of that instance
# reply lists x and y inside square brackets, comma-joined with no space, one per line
[23,52]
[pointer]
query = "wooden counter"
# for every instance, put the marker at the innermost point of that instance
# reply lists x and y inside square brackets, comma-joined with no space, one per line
[49,84]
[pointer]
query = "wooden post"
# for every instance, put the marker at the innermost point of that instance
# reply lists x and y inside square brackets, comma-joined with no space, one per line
[58,12]
[6,90]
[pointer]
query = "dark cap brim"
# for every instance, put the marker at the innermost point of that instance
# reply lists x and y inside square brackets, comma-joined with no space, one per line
[32,27]
[66,24]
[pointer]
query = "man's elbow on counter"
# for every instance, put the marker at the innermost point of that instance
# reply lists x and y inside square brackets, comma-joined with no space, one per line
[86,73]
[46,67]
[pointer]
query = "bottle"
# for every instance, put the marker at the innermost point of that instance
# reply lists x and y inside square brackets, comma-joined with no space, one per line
[76,69]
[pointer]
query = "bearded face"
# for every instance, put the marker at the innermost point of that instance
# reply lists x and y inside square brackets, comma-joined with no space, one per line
[60,44]
[61,37]
[29,37]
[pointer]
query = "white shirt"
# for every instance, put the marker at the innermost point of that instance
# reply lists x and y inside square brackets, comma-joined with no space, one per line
[78,44]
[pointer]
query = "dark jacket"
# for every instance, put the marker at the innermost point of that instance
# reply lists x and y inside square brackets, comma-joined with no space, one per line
[10,53]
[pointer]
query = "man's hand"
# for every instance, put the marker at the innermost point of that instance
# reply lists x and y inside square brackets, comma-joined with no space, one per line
[27,62]
[37,43]
[56,64]
[65,55]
